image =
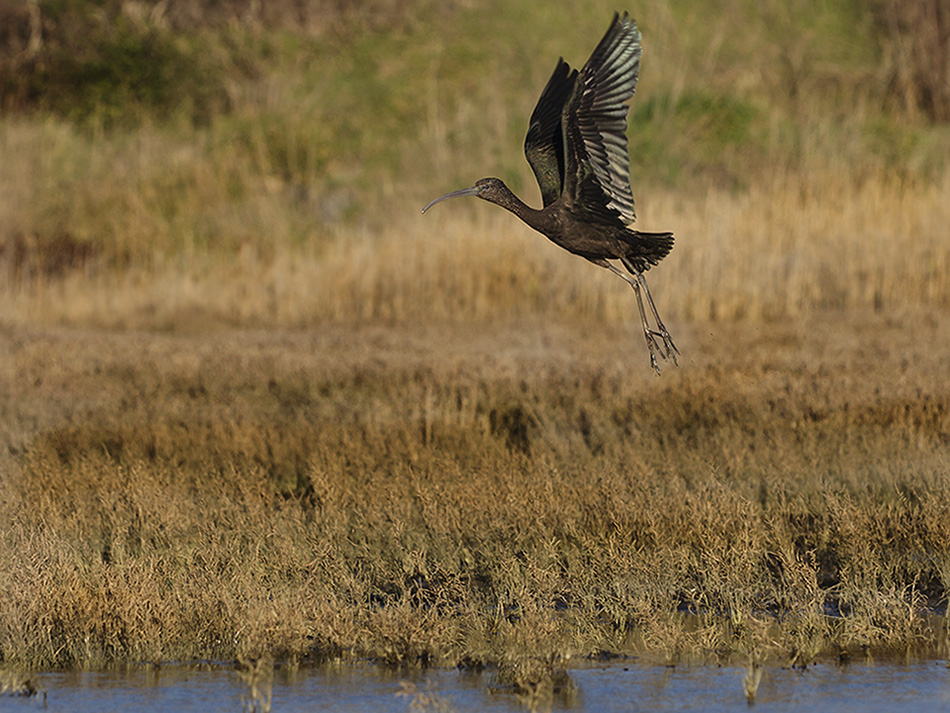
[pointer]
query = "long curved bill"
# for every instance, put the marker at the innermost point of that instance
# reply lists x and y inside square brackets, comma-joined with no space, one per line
[473,191]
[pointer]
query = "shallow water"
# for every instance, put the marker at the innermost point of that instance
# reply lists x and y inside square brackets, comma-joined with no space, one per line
[610,687]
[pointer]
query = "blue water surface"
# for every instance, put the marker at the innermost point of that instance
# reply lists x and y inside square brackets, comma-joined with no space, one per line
[628,686]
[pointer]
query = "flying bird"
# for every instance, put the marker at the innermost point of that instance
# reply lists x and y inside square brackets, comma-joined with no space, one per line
[577,147]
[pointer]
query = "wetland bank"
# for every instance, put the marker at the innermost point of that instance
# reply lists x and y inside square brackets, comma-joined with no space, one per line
[252,408]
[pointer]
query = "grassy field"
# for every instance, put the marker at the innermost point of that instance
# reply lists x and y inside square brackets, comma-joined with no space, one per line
[254,406]
[784,164]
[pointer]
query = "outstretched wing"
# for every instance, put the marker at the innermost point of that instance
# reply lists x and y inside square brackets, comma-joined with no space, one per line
[595,124]
[544,144]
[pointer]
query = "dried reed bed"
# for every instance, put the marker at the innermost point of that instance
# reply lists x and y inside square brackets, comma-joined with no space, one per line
[785,248]
[446,495]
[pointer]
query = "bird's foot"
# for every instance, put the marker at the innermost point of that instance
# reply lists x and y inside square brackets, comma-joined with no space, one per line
[655,349]
[671,350]
[661,344]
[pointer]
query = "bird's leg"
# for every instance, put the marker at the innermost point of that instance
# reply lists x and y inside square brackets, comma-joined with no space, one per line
[671,349]
[649,333]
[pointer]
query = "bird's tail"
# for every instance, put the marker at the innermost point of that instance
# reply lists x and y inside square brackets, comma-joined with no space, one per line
[647,249]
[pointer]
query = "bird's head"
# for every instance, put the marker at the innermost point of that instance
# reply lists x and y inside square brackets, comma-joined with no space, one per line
[488,189]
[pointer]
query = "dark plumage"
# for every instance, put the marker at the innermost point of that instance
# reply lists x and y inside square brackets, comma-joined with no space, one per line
[577,148]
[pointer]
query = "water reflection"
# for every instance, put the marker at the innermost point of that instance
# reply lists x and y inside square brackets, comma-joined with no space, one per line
[608,687]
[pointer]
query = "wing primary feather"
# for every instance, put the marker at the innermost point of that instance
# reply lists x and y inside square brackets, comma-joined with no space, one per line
[594,122]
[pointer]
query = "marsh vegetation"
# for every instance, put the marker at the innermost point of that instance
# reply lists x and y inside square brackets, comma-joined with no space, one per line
[451,496]
[253,406]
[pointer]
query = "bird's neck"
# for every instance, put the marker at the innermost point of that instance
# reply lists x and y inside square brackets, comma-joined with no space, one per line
[509,201]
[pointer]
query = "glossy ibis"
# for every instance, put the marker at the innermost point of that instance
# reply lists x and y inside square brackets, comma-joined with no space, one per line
[577,148]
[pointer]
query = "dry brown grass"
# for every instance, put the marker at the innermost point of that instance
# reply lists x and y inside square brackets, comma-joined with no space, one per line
[447,495]
[782,249]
